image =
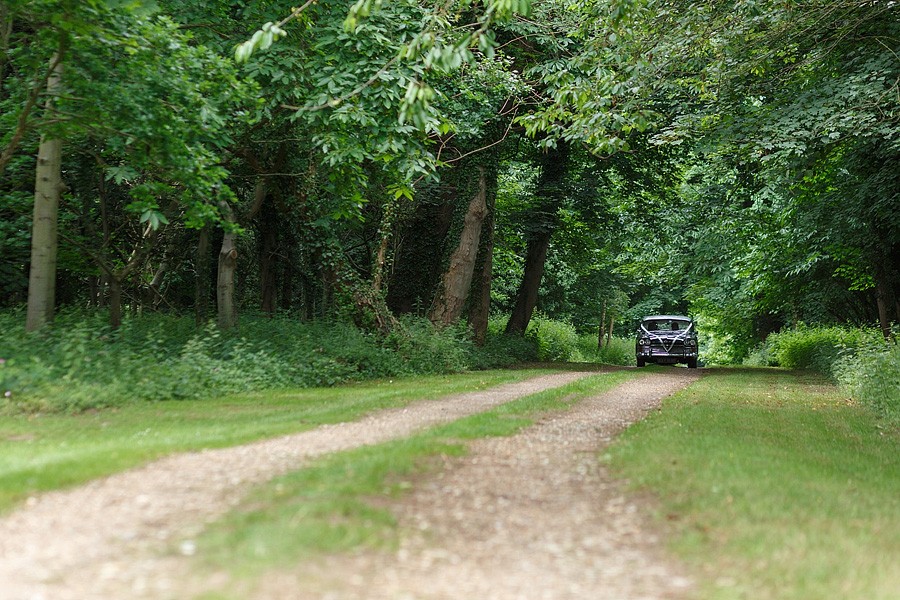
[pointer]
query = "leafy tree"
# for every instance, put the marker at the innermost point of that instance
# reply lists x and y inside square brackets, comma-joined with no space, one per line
[128,89]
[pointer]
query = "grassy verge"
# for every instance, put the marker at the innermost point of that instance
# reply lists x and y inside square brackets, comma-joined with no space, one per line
[776,486]
[331,506]
[51,451]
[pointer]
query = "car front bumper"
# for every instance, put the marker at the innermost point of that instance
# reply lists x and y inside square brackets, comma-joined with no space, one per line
[662,356]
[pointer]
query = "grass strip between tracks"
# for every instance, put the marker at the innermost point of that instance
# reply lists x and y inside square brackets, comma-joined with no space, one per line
[43,452]
[773,485]
[336,504]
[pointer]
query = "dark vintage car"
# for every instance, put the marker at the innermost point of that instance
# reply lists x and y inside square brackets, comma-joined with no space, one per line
[666,340]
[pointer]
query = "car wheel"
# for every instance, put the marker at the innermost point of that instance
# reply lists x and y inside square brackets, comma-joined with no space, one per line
[641,362]
[692,363]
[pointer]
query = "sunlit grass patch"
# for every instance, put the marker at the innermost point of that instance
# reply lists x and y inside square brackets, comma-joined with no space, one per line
[775,484]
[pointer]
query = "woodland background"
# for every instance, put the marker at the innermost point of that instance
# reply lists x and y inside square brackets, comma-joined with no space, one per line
[379,188]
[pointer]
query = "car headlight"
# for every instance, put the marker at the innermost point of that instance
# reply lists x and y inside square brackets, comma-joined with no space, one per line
[691,342]
[643,341]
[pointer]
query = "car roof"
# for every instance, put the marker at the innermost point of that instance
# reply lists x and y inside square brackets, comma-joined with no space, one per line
[666,317]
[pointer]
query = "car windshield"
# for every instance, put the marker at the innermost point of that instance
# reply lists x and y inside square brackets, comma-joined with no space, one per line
[665,324]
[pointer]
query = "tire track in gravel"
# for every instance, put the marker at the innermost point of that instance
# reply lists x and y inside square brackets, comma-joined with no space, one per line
[104,539]
[529,517]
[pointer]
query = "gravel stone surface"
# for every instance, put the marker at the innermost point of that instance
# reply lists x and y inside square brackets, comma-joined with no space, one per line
[530,516]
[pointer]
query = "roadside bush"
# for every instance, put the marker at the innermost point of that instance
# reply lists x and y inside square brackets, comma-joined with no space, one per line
[872,374]
[619,351]
[501,350]
[424,349]
[759,357]
[816,348]
[556,341]
[859,359]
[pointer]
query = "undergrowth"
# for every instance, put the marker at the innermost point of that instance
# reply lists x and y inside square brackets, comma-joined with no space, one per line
[557,341]
[80,363]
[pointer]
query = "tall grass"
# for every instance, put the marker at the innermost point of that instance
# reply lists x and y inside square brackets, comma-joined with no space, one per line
[619,351]
[80,363]
[872,374]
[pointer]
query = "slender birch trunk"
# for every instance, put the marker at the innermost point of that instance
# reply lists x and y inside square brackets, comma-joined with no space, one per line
[48,188]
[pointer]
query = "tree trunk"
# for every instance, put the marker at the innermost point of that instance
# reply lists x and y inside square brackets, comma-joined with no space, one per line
[457,281]
[550,193]
[48,188]
[885,302]
[480,311]
[287,287]
[227,312]
[602,327]
[416,274]
[526,297]
[380,261]
[885,295]
[201,277]
[115,302]
[381,255]
[268,259]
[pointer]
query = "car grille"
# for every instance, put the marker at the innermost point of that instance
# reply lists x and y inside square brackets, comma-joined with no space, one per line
[658,347]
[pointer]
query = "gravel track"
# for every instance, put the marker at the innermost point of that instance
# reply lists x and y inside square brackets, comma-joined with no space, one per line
[530,516]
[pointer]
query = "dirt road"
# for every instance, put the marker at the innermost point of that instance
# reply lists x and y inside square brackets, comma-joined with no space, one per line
[530,516]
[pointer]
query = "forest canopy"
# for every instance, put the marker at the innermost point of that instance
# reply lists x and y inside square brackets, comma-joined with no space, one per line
[587,162]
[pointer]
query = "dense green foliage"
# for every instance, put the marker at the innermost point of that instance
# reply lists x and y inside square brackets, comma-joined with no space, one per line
[729,160]
[81,363]
[773,485]
[872,374]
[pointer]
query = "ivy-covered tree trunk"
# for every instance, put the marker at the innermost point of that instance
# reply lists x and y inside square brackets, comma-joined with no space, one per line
[480,309]
[48,188]
[457,281]
[417,269]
